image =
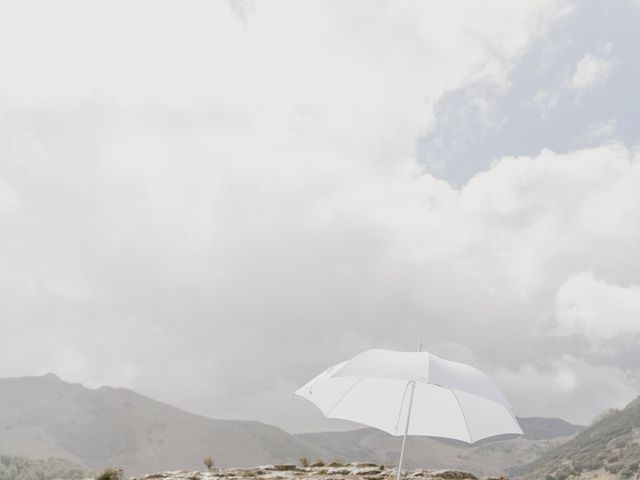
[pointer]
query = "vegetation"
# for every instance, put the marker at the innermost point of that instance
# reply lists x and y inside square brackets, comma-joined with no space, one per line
[611,443]
[209,463]
[20,468]
[110,474]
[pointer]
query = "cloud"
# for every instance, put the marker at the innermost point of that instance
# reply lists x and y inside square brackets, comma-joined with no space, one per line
[605,130]
[598,309]
[545,100]
[214,215]
[591,70]
[567,380]
[242,8]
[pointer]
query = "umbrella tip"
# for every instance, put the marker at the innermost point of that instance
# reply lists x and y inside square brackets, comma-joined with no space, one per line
[419,345]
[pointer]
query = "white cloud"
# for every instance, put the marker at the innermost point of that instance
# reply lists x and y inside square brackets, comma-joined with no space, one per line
[591,70]
[565,383]
[545,100]
[8,196]
[225,207]
[598,309]
[604,130]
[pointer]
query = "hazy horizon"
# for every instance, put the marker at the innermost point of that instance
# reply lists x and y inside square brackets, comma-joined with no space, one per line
[331,425]
[210,203]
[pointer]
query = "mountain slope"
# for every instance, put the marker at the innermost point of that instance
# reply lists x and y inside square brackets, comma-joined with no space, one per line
[47,417]
[610,447]
[540,428]
[490,457]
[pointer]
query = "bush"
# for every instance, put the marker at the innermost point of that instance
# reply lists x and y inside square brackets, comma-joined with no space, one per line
[110,474]
[20,468]
[615,468]
[304,461]
[209,463]
[626,473]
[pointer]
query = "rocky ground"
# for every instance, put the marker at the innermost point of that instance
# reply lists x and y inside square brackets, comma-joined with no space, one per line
[351,471]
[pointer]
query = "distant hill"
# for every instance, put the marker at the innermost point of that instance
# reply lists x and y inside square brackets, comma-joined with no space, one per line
[489,457]
[540,428]
[48,417]
[609,447]
[20,468]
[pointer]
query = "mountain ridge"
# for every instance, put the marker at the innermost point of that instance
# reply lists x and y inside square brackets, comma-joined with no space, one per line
[48,417]
[610,447]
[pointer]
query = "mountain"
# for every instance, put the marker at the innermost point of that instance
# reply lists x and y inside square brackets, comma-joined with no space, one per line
[489,457]
[609,447]
[540,428]
[48,417]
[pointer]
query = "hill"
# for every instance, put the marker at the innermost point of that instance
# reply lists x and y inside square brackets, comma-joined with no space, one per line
[609,448]
[490,457]
[48,417]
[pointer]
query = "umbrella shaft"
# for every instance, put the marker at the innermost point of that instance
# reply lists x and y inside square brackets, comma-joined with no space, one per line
[406,430]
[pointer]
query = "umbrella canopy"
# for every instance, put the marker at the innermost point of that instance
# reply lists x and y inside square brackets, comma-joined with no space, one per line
[450,399]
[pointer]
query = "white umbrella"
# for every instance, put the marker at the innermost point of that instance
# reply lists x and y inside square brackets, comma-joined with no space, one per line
[413,393]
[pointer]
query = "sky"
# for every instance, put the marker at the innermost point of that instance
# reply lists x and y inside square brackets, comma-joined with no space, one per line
[211,202]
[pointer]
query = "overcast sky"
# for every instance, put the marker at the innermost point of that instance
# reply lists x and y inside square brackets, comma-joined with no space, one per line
[211,202]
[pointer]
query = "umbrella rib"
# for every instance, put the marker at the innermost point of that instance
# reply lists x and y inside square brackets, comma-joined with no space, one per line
[464,417]
[404,394]
[344,395]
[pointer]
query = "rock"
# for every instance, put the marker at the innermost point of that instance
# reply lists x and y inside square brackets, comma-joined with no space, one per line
[285,467]
[356,471]
[178,475]
[452,475]
[421,472]
[363,471]
[338,471]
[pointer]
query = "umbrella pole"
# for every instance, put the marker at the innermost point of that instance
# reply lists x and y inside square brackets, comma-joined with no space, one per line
[406,426]
[406,430]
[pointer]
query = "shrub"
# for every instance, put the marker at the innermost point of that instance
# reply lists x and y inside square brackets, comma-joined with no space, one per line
[626,473]
[110,474]
[209,463]
[615,468]
[304,461]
